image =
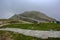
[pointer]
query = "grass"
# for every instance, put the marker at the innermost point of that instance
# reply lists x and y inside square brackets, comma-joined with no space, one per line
[41,26]
[17,36]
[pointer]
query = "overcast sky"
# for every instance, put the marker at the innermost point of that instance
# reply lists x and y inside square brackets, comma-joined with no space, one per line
[11,7]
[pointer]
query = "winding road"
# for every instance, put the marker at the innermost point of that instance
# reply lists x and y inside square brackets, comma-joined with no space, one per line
[35,33]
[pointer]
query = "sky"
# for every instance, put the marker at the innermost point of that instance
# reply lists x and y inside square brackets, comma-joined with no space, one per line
[10,7]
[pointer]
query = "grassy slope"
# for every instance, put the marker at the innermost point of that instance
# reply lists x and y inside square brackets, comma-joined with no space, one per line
[24,22]
[32,14]
[17,36]
[35,15]
[41,26]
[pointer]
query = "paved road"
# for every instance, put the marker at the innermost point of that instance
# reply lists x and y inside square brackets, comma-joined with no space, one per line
[35,33]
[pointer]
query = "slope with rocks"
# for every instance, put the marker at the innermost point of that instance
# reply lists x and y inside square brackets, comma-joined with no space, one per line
[33,16]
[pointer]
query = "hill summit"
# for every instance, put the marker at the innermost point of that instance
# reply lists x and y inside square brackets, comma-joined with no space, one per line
[33,16]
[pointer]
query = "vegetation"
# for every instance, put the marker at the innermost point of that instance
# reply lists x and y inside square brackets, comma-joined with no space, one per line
[16,36]
[41,26]
[35,14]
[32,16]
[14,21]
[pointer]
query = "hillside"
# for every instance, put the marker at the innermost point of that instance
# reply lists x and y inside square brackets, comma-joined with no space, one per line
[32,15]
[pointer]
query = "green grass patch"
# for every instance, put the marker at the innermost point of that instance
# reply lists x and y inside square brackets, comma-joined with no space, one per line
[41,26]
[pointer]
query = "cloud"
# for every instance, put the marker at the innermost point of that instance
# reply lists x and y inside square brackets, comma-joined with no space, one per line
[10,7]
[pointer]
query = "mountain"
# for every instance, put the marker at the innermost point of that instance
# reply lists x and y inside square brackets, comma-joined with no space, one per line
[33,16]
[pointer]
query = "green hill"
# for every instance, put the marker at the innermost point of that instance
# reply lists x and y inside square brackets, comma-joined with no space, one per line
[32,16]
